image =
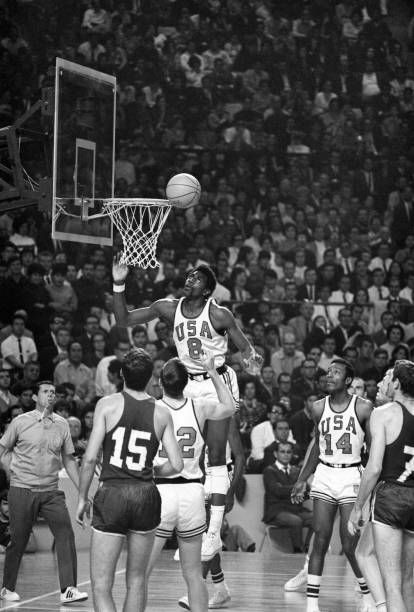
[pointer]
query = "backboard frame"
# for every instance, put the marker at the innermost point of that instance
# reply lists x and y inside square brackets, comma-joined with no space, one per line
[86,145]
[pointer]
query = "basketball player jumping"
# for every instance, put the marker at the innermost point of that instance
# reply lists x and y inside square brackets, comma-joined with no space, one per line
[199,323]
[341,422]
[129,426]
[182,496]
[390,474]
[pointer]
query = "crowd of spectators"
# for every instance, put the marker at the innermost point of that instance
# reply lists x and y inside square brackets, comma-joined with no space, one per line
[297,118]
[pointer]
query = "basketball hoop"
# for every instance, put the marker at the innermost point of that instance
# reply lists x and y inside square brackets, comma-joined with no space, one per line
[139,221]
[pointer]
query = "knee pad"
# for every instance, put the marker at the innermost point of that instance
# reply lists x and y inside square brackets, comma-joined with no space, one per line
[219,479]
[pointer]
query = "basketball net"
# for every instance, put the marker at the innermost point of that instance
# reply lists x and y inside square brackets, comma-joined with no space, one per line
[139,222]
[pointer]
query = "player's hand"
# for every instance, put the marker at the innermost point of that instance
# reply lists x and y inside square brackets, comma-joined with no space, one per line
[119,270]
[253,363]
[298,493]
[207,361]
[83,512]
[356,521]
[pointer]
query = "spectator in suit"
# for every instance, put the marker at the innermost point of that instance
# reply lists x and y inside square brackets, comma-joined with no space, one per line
[403,217]
[301,424]
[7,399]
[284,395]
[341,333]
[305,383]
[18,349]
[90,327]
[365,360]
[278,480]
[52,354]
[302,324]
[307,291]
[380,365]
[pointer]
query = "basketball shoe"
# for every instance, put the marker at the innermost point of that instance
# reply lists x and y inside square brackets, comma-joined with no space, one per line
[221,597]
[298,582]
[9,595]
[72,594]
[184,603]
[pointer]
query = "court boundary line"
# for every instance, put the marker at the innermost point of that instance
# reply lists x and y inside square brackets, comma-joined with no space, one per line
[23,602]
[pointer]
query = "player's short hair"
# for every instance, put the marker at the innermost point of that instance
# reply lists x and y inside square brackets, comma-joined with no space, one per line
[137,369]
[174,377]
[349,370]
[211,280]
[404,372]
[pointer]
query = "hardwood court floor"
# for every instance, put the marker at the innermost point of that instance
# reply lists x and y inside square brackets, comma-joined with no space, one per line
[255,581]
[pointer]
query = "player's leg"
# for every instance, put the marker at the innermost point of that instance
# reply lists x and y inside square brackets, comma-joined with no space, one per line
[190,558]
[157,547]
[221,595]
[349,543]
[324,514]
[105,551]
[368,563]
[388,547]
[407,569]
[216,440]
[140,546]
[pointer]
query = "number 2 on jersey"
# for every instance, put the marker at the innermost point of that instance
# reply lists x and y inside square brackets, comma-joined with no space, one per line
[135,450]
[186,439]
[344,444]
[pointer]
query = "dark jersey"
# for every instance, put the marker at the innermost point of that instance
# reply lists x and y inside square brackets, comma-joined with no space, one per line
[130,447]
[398,462]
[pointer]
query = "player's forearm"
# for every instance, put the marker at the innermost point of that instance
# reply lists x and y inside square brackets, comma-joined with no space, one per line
[86,475]
[165,470]
[368,481]
[224,395]
[120,309]
[310,464]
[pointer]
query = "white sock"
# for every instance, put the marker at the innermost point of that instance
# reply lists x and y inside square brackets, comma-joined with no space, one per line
[312,592]
[216,518]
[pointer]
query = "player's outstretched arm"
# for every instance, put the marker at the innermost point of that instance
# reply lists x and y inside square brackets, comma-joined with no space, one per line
[125,317]
[165,432]
[226,405]
[252,361]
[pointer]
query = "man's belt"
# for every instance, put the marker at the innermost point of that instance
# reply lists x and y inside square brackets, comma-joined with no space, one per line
[204,375]
[340,465]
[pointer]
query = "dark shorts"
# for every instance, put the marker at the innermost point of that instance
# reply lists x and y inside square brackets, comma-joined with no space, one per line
[393,505]
[123,508]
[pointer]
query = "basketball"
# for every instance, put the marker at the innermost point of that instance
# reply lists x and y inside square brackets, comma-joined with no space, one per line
[183,190]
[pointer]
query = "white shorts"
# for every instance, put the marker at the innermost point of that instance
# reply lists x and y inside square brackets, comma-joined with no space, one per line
[204,388]
[336,485]
[183,509]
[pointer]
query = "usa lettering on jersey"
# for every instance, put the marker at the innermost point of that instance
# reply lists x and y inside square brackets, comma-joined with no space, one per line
[190,330]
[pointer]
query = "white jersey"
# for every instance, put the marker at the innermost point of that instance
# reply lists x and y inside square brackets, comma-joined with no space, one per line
[341,436]
[189,438]
[192,335]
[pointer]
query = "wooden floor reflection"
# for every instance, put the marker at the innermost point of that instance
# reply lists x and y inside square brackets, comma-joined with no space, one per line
[255,581]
